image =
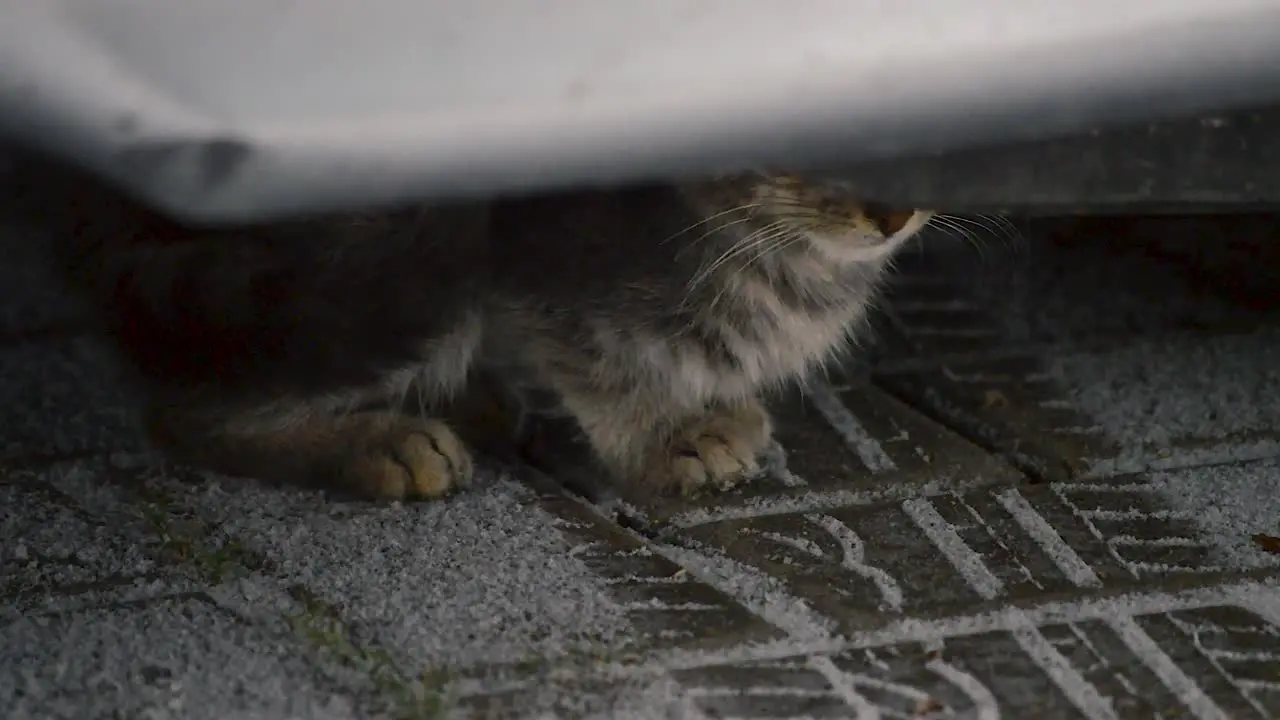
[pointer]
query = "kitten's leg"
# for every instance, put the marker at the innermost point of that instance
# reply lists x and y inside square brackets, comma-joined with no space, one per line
[716,449]
[638,441]
[389,456]
[374,454]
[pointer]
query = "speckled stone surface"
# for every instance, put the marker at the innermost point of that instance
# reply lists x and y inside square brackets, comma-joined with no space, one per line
[1051,491]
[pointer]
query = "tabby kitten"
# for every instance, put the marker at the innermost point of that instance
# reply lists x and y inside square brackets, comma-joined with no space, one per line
[657,314]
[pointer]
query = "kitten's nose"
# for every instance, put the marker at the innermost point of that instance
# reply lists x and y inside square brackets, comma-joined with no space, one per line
[886,219]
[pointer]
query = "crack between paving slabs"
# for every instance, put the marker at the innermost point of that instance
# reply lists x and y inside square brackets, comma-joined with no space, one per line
[644,664]
[318,626]
[188,541]
[428,694]
[199,596]
[24,477]
[22,597]
[192,546]
[939,407]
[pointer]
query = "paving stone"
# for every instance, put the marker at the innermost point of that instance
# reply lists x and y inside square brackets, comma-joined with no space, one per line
[1167,400]
[1232,505]
[834,445]
[62,398]
[1208,654]
[666,606]
[865,566]
[1130,460]
[1232,255]
[427,581]
[105,531]
[1005,405]
[40,525]
[1180,400]
[53,550]
[477,592]
[1176,401]
[1061,285]
[498,574]
[572,697]
[166,658]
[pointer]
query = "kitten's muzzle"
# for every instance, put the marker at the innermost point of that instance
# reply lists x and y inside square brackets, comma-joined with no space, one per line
[887,220]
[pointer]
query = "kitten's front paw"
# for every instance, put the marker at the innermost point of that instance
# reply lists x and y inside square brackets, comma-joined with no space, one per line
[415,459]
[716,450]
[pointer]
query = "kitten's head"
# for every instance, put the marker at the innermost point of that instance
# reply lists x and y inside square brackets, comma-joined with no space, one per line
[814,211]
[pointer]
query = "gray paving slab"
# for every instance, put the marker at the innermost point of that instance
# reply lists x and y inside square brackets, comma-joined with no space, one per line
[1233,504]
[62,397]
[168,658]
[1178,401]
[485,578]
[1064,282]
[1188,655]
[51,548]
[836,444]
[1187,399]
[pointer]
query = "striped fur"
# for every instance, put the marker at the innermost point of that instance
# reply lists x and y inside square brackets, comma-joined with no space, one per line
[658,313]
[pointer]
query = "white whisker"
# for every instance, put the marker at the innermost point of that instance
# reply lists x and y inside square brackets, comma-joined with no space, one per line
[776,242]
[953,228]
[759,238]
[1004,227]
[709,233]
[737,249]
[704,221]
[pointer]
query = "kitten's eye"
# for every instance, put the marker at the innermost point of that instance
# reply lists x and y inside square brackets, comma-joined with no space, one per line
[886,219]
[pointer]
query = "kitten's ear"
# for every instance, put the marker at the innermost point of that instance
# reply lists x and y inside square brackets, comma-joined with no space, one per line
[752,173]
[773,175]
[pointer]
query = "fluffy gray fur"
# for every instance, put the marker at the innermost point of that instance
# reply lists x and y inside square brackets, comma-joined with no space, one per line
[658,314]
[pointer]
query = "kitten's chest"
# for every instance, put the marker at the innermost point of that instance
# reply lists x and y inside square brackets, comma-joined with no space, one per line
[779,348]
[764,337]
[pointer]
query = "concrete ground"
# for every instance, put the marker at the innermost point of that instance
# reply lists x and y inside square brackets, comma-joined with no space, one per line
[1050,488]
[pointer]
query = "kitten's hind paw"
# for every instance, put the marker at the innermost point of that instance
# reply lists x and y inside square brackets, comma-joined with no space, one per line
[717,450]
[410,460]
